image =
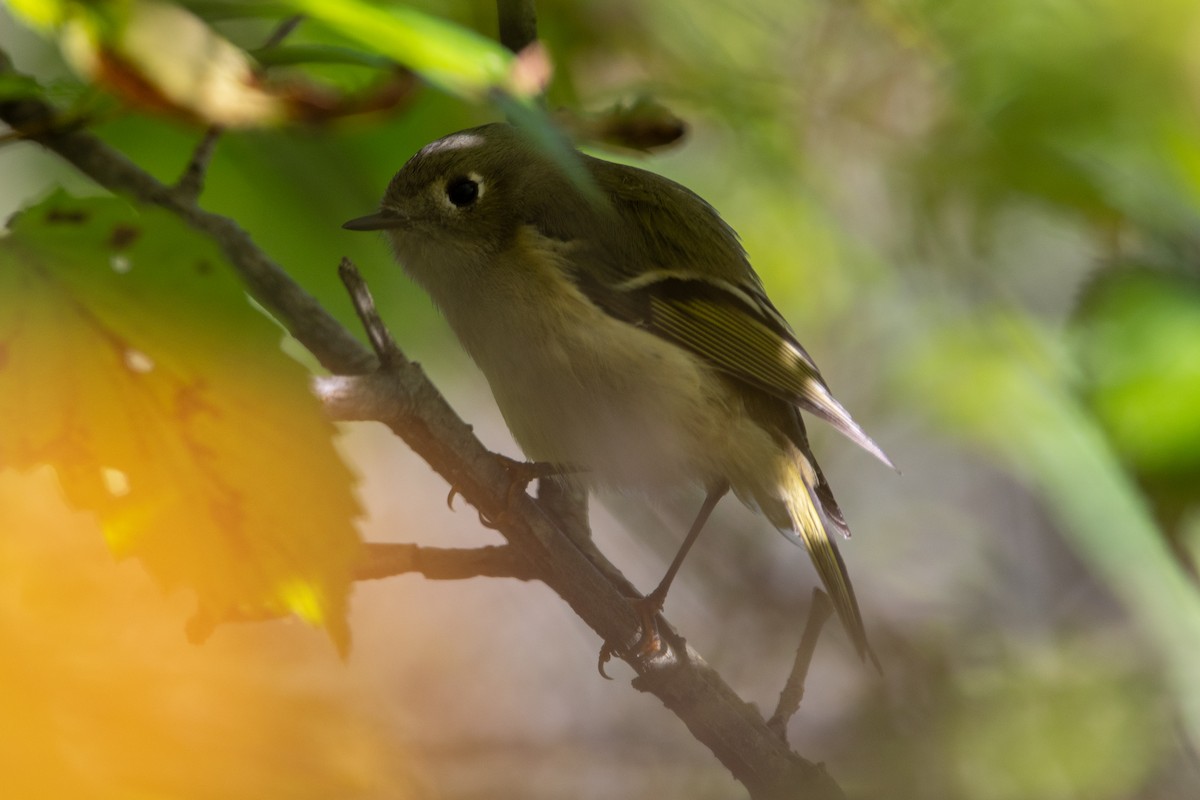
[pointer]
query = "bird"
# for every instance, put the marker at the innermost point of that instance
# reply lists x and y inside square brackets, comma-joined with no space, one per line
[623,331]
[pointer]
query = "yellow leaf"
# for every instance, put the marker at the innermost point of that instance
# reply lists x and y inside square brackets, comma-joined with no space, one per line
[131,362]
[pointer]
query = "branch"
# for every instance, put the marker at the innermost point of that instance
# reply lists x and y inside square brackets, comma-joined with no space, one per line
[385,560]
[364,304]
[793,690]
[402,397]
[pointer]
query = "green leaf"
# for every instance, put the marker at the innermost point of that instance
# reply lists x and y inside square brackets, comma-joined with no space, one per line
[451,57]
[18,87]
[131,362]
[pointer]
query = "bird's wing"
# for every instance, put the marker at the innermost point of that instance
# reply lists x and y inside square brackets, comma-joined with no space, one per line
[735,329]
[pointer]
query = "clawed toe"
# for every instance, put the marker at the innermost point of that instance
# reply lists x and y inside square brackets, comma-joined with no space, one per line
[649,643]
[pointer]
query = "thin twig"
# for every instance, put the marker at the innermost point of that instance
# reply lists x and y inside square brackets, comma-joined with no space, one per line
[385,560]
[793,691]
[191,182]
[364,304]
[282,31]
[518,23]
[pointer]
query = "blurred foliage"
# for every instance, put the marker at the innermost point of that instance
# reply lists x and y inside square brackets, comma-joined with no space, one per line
[984,223]
[1087,106]
[1053,738]
[1138,335]
[1003,386]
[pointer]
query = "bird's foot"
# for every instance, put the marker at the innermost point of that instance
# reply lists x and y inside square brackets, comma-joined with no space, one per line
[648,644]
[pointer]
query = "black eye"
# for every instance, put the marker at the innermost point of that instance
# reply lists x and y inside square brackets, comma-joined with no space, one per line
[462,191]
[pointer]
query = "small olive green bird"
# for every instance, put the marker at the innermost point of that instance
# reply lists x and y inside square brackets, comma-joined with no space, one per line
[622,330]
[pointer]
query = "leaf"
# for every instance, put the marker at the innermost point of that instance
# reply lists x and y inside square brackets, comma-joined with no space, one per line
[451,57]
[132,363]
[18,87]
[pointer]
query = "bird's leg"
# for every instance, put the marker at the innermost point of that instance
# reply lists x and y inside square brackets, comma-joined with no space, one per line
[648,607]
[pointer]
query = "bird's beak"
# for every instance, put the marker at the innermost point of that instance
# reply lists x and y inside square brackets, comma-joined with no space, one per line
[379,221]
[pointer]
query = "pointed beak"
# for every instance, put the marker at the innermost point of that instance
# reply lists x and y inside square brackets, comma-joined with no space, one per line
[379,221]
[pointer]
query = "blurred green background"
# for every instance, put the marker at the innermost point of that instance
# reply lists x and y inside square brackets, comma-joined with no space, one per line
[983,221]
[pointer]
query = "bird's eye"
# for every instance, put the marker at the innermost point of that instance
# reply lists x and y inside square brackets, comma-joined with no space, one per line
[462,191]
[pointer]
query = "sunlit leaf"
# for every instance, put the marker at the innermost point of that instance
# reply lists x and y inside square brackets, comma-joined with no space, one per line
[451,57]
[131,362]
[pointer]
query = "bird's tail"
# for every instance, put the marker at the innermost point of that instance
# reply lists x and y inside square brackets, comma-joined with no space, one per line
[809,526]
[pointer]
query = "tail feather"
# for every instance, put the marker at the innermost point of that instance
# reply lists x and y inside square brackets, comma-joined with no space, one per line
[809,525]
[820,402]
